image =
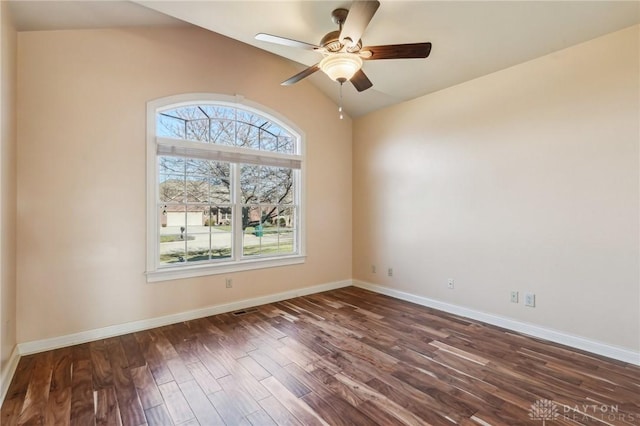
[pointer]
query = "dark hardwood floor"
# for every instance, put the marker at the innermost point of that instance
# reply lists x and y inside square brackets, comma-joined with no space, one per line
[344,357]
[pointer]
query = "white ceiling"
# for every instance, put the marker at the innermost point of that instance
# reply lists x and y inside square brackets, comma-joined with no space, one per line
[470,38]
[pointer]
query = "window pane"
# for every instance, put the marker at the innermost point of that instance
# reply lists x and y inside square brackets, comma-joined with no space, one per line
[286,144]
[249,183]
[250,216]
[247,135]
[270,182]
[171,188]
[285,185]
[220,243]
[219,182]
[197,189]
[252,239]
[171,165]
[269,215]
[198,130]
[218,111]
[250,117]
[197,233]
[285,242]
[286,218]
[286,222]
[219,191]
[268,141]
[287,191]
[195,167]
[223,132]
[220,217]
[261,233]
[265,184]
[172,233]
[170,127]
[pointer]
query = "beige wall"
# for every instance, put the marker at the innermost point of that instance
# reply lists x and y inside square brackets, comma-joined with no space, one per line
[81,155]
[525,179]
[7,186]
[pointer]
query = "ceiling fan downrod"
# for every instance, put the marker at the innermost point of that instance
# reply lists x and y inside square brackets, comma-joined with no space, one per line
[340,104]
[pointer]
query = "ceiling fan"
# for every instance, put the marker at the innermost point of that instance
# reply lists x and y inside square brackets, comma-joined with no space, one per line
[343,51]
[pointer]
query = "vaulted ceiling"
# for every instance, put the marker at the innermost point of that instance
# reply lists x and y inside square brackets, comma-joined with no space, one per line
[470,38]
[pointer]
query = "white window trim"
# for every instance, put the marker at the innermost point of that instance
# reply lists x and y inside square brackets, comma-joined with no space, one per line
[153,272]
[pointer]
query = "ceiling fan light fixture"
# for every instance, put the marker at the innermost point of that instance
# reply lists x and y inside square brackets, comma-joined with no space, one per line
[341,66]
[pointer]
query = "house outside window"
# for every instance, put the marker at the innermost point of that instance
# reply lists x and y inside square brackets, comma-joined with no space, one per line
[225,187]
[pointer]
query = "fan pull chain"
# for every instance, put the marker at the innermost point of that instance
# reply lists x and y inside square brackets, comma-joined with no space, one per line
[340,106]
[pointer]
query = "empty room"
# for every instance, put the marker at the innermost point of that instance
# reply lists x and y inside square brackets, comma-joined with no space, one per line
[319,212]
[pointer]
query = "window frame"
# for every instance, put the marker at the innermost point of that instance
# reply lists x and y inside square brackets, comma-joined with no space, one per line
[154,271]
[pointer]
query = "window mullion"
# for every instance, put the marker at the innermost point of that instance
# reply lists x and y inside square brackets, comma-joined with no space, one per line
[236,212]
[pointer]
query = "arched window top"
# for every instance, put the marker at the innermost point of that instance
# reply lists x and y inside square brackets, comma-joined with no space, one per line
[228,124]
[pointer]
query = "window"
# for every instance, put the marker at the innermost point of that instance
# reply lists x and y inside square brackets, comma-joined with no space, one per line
[224,188]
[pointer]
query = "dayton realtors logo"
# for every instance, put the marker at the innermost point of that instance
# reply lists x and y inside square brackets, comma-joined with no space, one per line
[548,410]
[544,409]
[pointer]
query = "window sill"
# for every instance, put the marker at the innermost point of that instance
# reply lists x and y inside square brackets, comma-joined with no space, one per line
[166,274]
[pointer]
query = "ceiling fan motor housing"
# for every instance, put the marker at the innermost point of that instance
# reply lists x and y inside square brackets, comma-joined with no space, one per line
[332,43]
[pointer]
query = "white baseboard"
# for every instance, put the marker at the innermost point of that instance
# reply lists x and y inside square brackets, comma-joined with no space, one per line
[131,327]
[7,372]
[577,342]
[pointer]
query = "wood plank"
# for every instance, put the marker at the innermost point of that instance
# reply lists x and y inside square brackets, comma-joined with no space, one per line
[298,408]
[146,387]
[158,416]
[159,369]
[210,362]
[202,408]
[82,409]
[204,379]
[61,375]
[22,377]
[228,408]
[107,411]
[255,369]
[11,409]
[336,411]
[176,405]
[132,351]
[179,371]
[35,401]
[261,418]
[183,338]
[131,410]
[245,403]
[241,375]
[58,407]
[394,409]
[100,365]
[278,412]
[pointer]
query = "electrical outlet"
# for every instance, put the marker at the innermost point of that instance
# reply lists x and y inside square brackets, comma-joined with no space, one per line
[373,269]
[514,297]
[530,300]
[450,283]
[390,272]
[228,282]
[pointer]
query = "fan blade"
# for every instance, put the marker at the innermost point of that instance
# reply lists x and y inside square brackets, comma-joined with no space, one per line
[397,51]
[302,74]
[360,81]
[357,20]
[285,41]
